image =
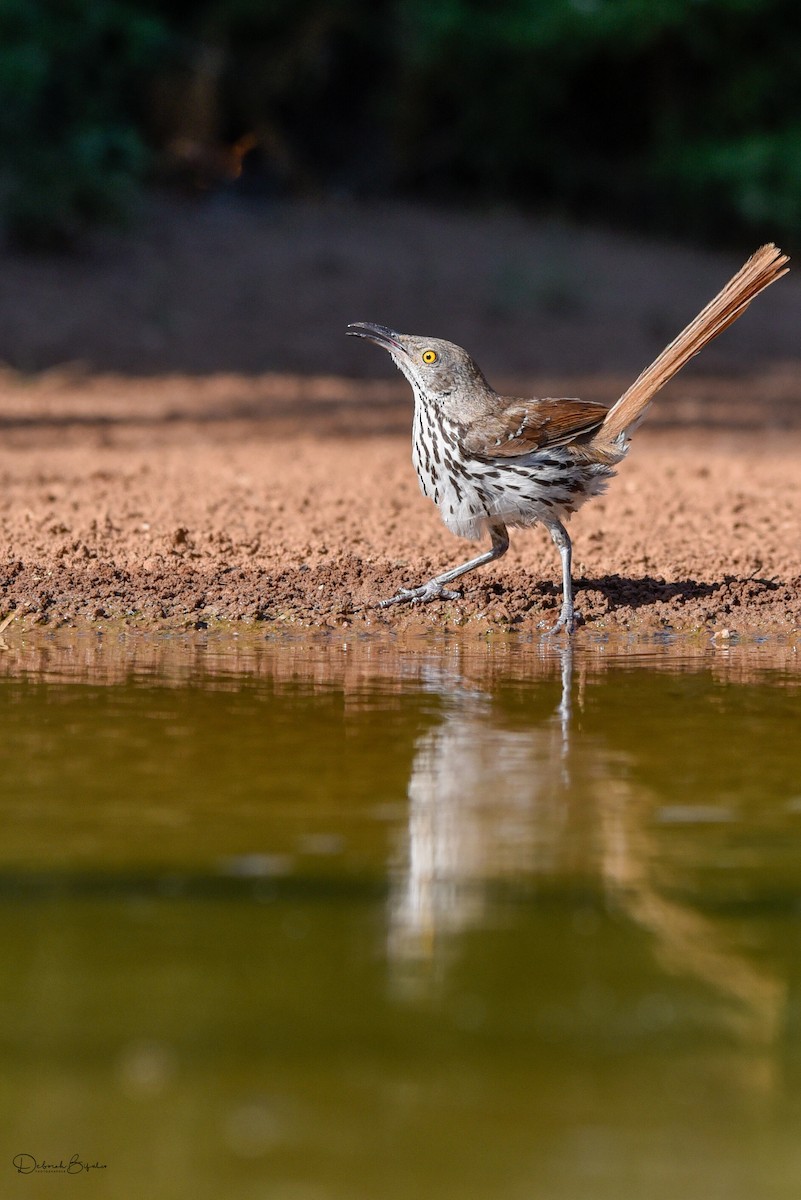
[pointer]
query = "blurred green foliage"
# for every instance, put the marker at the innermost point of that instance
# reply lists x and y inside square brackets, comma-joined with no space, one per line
[72,150]
[681,116]
[675,115]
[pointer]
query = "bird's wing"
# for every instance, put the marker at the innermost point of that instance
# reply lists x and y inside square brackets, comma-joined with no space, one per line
[522,426]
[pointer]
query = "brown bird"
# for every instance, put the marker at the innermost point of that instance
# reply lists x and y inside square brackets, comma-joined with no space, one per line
[490,461]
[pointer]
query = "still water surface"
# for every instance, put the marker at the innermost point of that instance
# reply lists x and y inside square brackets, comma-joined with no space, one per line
[331,920]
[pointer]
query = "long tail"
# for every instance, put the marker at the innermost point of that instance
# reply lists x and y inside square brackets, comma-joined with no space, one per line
[762,269]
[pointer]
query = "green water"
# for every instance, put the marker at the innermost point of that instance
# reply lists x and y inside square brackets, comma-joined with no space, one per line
[330,920]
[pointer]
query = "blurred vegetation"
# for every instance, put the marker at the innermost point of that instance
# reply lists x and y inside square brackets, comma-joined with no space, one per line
[70,128]
[681,116]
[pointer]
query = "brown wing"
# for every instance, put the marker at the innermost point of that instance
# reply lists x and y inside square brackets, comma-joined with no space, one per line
[525,425]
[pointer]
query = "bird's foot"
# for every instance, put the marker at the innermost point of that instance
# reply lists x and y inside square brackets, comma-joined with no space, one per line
[568,620]
[420,595]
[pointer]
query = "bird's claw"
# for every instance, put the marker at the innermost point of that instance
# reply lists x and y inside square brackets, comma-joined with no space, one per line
[420,595]
[568,620]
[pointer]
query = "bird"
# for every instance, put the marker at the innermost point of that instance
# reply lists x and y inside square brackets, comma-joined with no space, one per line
[490,462]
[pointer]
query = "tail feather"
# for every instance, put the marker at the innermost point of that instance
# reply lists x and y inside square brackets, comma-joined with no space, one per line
[762,269]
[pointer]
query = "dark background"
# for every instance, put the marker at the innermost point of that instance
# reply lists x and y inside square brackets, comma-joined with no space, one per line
[678,117]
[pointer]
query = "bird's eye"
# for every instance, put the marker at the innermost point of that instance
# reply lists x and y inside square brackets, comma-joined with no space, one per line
[429,356]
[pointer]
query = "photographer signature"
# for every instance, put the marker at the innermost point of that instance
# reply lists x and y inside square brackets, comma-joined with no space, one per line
[26,1164]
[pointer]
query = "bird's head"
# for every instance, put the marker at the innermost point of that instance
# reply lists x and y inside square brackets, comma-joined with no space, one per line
[441,372]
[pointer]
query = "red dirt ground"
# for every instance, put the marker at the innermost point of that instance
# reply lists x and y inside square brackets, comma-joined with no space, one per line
[288,496]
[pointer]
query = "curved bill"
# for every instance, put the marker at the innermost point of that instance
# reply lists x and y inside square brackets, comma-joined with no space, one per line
[380,334]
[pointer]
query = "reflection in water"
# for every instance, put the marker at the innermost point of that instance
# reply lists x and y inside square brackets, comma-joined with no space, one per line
[685,941]
[485,804]
[201,835]
[489,804]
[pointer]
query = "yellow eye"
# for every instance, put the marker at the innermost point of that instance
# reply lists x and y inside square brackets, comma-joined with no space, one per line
[429,356]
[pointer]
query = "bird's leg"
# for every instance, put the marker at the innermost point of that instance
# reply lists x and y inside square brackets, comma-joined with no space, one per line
[435,589]
[567,616]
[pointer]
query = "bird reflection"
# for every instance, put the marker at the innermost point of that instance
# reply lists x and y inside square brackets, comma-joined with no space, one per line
[485,802]
[492,804]
[685,941]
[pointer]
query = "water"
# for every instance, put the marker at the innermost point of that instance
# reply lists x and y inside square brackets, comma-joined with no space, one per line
[330,920]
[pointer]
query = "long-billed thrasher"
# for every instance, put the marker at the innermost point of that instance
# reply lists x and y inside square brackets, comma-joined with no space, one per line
[489,461]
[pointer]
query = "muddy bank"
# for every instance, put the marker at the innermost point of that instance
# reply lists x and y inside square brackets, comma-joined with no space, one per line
[292,501]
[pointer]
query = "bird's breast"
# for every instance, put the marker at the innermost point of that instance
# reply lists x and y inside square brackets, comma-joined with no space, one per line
[445,475]
[472,493]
